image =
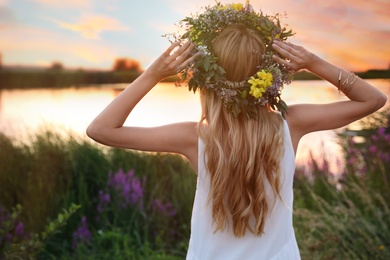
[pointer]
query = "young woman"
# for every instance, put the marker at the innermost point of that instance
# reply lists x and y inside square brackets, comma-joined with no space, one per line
[242,150]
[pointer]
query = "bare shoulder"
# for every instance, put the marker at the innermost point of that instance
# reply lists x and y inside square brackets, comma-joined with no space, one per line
[183,139]
[294,119]
[187,132]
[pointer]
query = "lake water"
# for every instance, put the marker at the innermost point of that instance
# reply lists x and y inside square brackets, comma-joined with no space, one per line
[70,110]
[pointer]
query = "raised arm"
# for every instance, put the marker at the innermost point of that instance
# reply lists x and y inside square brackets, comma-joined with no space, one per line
[107,128]
[364,98]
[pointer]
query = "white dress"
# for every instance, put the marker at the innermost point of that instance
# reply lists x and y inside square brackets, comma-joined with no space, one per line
[278,242]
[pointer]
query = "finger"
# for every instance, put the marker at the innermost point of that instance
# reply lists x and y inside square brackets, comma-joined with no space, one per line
[181,50]
[189,60]
[184,59]
[186,53]
[280,60]
[284,49]
[289,65]
[168,51]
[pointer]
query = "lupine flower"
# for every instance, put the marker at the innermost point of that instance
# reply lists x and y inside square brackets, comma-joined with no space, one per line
[381,131]
[373,149]
[128,187]
[104,200]
[17,233]
[19,230]
[166,209]
[82,234]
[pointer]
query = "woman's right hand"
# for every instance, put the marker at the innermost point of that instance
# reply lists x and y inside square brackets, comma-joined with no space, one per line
[305,118]
[172,62]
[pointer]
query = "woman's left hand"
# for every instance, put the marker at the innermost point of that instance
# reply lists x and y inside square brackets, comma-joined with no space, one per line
[172,62]
[296,57]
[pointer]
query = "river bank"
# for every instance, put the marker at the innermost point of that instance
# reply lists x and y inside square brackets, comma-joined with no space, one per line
[52,78]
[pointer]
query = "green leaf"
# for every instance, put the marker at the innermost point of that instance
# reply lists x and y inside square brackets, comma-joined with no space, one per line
[211,75]
[244,94]
[206,66]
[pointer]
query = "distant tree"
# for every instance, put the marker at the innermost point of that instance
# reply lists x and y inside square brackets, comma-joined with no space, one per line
[1,61]
[126,64]
[56,66]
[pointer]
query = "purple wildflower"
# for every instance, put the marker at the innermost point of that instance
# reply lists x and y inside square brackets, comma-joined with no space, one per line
[104,200]
[373,149]
[381,131]
[351,161]
[128,187]
[166,209]
[19,230]
[7,222]
[82,234]
[385,157]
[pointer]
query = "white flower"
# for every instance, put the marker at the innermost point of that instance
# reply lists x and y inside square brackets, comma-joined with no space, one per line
[203,50]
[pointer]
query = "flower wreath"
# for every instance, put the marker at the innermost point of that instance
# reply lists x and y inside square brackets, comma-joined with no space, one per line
[265,87]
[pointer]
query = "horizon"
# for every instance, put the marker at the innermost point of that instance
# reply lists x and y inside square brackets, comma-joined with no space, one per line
[45,67]
[90,35]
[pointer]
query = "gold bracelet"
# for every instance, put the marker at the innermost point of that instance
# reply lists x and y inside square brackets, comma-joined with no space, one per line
[348,88]
[338,84]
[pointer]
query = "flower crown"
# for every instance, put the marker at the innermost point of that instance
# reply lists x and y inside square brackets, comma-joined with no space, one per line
[265,87]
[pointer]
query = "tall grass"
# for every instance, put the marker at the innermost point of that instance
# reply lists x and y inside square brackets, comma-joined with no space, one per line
[52,172]
[138,205]
[347,216]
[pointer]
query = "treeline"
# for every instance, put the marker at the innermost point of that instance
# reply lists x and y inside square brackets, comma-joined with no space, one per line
[63,78]
[58,78]
[370,74]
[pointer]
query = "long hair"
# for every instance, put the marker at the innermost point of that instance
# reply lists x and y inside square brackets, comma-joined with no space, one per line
[242,154]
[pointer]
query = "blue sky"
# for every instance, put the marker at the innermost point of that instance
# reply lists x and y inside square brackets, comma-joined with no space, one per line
[354,34]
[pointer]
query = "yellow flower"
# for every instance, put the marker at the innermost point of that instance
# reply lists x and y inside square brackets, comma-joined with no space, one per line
[224,7]
[257,88]
[266,77]
[276,37]
[257,92]
[259,85]
[237,7]
[382,247]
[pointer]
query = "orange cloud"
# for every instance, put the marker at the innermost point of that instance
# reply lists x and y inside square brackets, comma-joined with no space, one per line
[90,26]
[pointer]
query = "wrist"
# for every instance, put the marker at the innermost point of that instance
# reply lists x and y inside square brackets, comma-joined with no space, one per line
[150,77]
[314,63]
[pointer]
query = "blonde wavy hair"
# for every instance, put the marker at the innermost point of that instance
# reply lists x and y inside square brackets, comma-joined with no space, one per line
[242,154]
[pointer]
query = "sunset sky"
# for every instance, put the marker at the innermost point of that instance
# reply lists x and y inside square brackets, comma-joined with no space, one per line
[354,34]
